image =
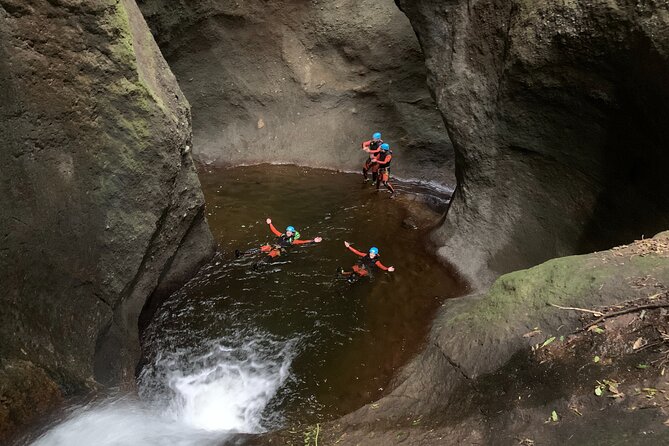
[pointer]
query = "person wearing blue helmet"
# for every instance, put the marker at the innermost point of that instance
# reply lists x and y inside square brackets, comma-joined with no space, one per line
[382,160]
[366,264]
[283,241]
[372,147]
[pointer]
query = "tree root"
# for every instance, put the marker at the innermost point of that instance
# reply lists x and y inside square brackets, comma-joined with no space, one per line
[620,313]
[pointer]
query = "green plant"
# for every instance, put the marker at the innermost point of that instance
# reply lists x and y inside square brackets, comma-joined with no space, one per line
[311,435]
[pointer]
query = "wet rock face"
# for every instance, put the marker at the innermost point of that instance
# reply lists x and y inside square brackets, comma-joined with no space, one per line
[302,82]
[558,114]
[97,197]
[26,392]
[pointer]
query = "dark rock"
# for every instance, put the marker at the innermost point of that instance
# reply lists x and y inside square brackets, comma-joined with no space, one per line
[98,203]
[409,223]
[558,115]
[302,82]
[26,392]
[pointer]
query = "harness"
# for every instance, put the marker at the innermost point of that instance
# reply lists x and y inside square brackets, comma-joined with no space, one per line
[382,157]
[385,168]
[284,241]
[367,262]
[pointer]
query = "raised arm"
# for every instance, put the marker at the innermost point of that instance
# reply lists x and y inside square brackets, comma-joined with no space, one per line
[303,242]
[365,145]
[272,228]
[383,267]
[353,250]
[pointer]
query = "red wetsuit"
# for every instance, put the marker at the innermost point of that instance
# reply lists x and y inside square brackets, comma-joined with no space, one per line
[363,267]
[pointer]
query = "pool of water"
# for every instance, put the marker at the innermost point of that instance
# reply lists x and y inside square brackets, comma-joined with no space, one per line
[343,341]
[248,348]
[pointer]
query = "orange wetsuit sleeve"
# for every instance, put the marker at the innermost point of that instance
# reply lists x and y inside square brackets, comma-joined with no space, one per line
[366,144]
[301,242]
[355,251]
[274,230]
[380,265]
[385,161]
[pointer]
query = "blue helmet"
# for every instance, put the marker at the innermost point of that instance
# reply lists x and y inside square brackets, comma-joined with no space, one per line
[385,147]
[374,251]
[376,135]
[290,229]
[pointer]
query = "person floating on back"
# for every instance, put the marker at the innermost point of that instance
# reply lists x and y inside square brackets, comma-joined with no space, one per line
[372,147]
[382,160]
[283,241]
[366,264]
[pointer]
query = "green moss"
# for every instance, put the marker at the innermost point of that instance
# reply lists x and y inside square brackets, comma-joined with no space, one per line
[515,293]
[157,99]
[123,47]
[525,296]
[119,22]
[132,116]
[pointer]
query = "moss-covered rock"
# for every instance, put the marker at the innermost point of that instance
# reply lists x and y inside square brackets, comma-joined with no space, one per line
[99,194]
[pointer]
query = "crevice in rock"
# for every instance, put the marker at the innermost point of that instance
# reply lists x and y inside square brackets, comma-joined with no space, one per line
[470,381]
[162,291]
[505,51]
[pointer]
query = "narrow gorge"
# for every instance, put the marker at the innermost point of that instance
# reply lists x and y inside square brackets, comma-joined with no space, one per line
[529,302]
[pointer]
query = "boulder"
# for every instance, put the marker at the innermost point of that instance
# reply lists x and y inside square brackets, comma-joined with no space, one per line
[99,194]
[558,115]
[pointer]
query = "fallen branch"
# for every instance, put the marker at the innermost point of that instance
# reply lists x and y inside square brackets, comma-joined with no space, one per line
[649,345]
[585,310]
[621,312]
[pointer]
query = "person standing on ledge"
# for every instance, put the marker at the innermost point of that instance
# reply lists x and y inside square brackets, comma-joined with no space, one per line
[383,160]
[372,147]
[366,264]
[283,241]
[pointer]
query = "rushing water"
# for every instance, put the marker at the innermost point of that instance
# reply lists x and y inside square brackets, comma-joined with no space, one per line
[248,347]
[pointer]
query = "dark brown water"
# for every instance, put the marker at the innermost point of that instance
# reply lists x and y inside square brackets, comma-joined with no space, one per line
[335,345]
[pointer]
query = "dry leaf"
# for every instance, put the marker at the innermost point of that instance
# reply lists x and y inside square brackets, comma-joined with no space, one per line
[638,344]
[532,333]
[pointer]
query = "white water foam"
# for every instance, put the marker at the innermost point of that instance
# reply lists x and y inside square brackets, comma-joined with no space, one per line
[186,401]
[124,423]
[229,388]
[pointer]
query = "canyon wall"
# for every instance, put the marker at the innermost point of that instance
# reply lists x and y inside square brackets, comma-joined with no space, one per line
[302,82]
[101,206]
[558,113]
